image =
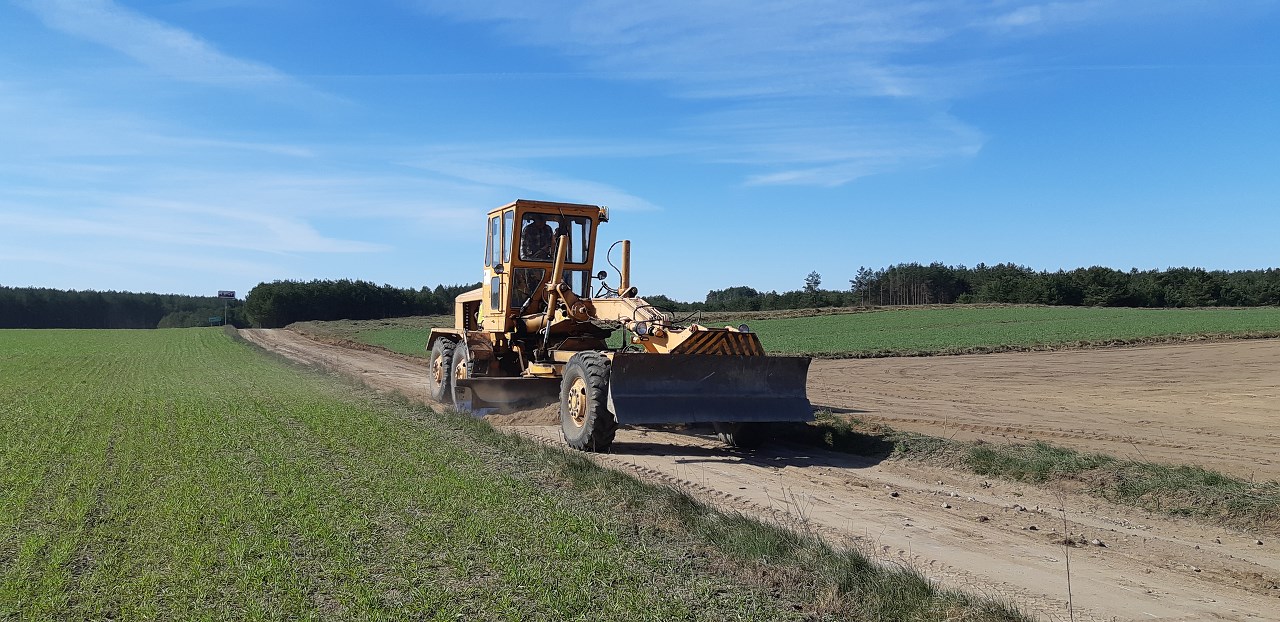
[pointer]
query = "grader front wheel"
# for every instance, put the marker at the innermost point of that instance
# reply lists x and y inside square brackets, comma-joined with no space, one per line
[585,419]
[459,369]
[439,378]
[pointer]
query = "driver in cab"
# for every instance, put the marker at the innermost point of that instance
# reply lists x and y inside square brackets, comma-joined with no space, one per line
[536,240]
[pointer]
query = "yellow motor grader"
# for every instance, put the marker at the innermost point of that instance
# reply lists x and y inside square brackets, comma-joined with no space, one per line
[534,333]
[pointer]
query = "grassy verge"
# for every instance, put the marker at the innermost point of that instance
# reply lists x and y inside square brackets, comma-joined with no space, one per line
[1175,490]
[179,474]
[956,329]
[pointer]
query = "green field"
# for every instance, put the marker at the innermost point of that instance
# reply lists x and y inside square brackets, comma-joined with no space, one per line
[907,331]
[942,330]
[181,474]
[406,335]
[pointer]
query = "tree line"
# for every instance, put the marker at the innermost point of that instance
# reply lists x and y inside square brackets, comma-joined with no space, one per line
[39,307]
[269,305]
[937,283]
[279,303]
[1098,286]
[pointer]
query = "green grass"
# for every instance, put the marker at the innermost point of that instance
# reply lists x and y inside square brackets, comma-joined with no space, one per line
[941,330]
[180,474]
[407,335]
[1175,490]
[403,340]
[909,331]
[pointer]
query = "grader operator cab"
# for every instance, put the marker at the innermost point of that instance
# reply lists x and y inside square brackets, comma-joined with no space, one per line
[534,334]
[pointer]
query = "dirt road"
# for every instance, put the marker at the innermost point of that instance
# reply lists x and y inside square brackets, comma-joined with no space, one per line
[990,537]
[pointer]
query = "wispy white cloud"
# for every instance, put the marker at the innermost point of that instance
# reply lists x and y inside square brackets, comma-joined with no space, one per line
[805,47]
[541,183]
[131,220]
[829,148]
[1041,15]
[143,270]
[517,149]
[800,88]
[172,51]
[218,5]
[120,199]
[76,172]
[97,184]
[189,142]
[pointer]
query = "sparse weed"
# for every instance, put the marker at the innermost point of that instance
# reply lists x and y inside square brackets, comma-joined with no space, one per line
[1178,490]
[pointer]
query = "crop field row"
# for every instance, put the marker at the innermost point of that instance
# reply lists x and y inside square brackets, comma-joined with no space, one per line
[932,330]
[959,329]
[181,474]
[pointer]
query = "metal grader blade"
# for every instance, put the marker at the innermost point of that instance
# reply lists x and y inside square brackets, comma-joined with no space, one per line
[503,395]
[707,388]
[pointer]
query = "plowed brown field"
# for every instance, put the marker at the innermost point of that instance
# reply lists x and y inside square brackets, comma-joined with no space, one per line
[1215,405]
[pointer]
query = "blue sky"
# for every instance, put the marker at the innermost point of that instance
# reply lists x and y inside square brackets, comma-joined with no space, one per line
[191,146]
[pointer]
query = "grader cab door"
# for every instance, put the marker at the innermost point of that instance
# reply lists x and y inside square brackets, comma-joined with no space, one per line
[497,278]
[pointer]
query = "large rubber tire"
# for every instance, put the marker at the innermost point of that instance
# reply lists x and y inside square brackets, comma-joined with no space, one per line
[459,367]
[585,419]
[741,435]
[439,380]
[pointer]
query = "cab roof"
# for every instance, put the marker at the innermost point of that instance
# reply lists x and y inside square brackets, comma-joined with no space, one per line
[581,209]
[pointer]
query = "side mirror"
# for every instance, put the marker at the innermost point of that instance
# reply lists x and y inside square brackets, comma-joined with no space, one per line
[497,269]
[601,274]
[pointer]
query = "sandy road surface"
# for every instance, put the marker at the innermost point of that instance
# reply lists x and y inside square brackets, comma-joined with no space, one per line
[993,538]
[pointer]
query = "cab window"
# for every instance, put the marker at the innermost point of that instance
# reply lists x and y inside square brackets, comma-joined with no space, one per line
[578,228]
[494,247]
[524,282]
[508,217]
[538,233]
[578,281]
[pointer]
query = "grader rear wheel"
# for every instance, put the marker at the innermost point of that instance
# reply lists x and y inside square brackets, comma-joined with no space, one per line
[585,419]
[439,378]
